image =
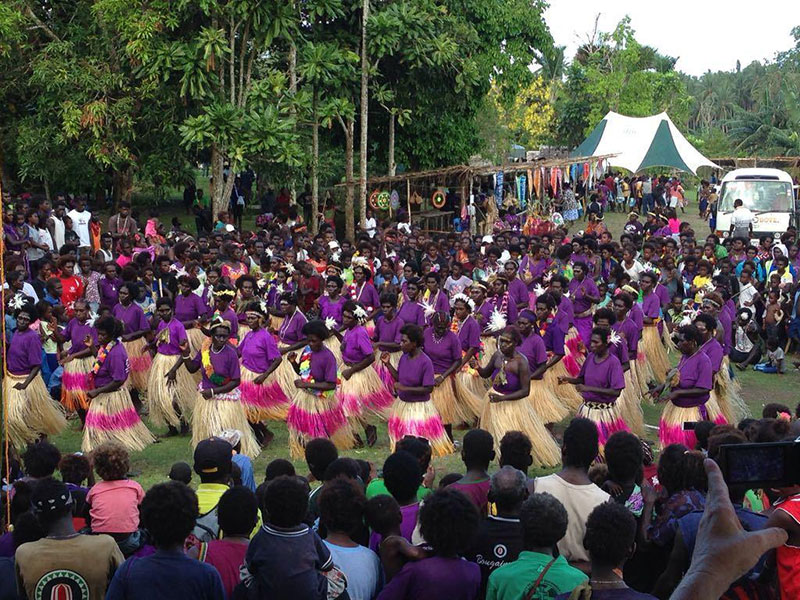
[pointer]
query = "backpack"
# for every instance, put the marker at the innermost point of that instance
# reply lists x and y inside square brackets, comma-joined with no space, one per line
[206,527]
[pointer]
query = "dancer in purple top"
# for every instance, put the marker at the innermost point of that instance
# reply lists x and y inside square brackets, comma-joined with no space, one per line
[78,360]
[517,290]
[434,297]
[290,338]
[411,311]
[584,295]
[191,311]
[223,296]
[112,416]
[725,390]
[553,335]
[135,328]
[330,305]
[651,335]
[387,337]
[574,348]
[470,386]
[443,348]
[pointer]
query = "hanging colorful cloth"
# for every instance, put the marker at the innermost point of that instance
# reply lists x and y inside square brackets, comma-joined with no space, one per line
[553,180]
[585,172]
[498,189]
[522,189]
[543,180]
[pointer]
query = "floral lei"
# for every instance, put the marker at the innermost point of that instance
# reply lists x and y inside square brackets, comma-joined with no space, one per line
[102,354]
[546,323]
[205,356]
[305,374]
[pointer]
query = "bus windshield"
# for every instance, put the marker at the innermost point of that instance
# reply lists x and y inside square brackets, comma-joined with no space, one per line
[758,196]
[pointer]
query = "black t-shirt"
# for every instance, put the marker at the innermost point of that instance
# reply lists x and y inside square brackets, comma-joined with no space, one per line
[498,541]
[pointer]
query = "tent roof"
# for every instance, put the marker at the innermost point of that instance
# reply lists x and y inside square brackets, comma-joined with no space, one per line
[642,142]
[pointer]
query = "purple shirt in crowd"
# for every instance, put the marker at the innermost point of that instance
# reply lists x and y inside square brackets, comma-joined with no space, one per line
[24,352]
[323,366]
[713,349]
[415,372]
[356,345]
[695,372]
[485,312]
[443,353]
[225,363]
[388,331]
[291,330]
[663,294]
[651,307]
[367,296]
[434,579]
[727,325]
[604,374]
[258,350]
[231,317]
[554,338]
[578,290]
[189,308]
[412,312]
[630,332]
[409,522]
[637,315]
[115,367]
[109,291]
[470,334]
[533,348]
[131,316]
[177,335]
[518,291]
[329,308]
[620,350]
[565,314]
[76,332]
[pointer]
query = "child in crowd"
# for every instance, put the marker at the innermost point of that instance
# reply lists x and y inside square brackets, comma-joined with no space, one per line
[75,469]
[180,471]
[775,358]
[402,478]
[477,453]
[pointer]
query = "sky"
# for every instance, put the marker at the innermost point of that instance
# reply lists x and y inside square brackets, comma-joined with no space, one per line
[704,34]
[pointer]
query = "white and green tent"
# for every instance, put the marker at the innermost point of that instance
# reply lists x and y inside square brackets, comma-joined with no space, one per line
[642,142]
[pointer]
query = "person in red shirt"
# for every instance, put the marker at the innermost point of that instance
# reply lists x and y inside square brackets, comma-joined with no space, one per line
[786,516]
[309,286]
[71,284]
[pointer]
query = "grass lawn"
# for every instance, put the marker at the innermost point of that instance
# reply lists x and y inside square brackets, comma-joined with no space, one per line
[152,465]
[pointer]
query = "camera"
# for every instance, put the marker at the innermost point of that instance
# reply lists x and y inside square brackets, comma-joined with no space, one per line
[769,465]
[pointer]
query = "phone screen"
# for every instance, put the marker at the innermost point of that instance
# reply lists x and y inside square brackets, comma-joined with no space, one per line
[750,464]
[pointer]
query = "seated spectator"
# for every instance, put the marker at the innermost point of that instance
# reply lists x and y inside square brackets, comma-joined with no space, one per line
[382,515]
[64,561]
[26,529]
[244,462]
[402,478]
[499,538]
[774,410]
[572,487]
[420,448]
[625,471]
[319,453]
[515,451]
[538,572]
[182,472]
[40,460]
[278,467]
[477,453]
[75,469]
[341,506]
[448,521]
[169,511]
[213,462]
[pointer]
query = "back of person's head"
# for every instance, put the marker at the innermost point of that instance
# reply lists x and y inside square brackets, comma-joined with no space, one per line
[74,468]
[169,511]
[111,461]
[610,534]
[774,410]
[624,457]
[402,476]
[341,506]
[41,459]
[286,501]
[237,512]
[772,430]
[213,460]
[343,467]
[515,451]
[180,471]
[50,501]
[382,514]
[418,447]
[320,452]
[580,443]
[27,528]
[448,522]
[478,449]
[694,472]
[365,470]
[670,467]
[508,489]
[449,479]
[278,467]
[702,430]
[544,521]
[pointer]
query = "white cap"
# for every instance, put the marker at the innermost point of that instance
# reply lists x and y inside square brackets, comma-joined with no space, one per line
[487,239]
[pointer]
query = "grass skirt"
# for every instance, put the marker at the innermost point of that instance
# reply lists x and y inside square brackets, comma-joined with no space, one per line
[630,406]
[275,322]
[161,395]
[470,391]
[607,417]
[140,361]
[545,403]
[642,374]
[334,345]
[655,353]
[285,376]
[383,372]
[196,338]
[214,415]
[263,402]
[364,395]
[31,411]
[727,393]
[419,419]
[566,393]
[670,428]
[75,382]
[574,352]
[489,348]
[499,418]
[312,416]
[445,400]
[243,331]
[666,338]
[112,418]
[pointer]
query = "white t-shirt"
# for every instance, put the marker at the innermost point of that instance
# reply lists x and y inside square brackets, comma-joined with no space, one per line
[746,294]
[580,501]
[741,219]
[371,226]
[80,225]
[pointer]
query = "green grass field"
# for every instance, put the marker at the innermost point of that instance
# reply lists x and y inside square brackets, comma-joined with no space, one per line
[152,465]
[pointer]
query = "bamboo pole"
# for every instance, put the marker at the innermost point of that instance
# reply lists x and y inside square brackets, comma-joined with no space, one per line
[6,441]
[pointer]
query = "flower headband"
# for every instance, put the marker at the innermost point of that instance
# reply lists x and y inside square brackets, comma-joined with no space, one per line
[465,299]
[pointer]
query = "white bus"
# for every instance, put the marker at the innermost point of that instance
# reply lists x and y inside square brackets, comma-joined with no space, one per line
[767,193]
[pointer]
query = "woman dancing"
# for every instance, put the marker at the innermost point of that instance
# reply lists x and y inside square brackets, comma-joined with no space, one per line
[78,360]
[387,337]
[651,335]
[190,310]
[470,387]
[290,338]
[413,413]
[330,313]
[112,416]
[135,329]
[553,337]
[411,311]
[223,296]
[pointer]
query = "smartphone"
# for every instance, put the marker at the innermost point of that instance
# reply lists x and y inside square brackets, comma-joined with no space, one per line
[769,465]
[689,425]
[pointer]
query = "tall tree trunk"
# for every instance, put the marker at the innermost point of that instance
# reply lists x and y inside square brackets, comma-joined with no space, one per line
[362,187]
[47,191]
[122,185]
[315,165]
[349,209]
[392,166]
[293,92]
[220,190]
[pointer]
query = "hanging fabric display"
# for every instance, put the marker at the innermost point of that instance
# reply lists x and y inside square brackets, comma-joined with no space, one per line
[544,183]
[530,185]
[586,172]
[522,190]
[498,189]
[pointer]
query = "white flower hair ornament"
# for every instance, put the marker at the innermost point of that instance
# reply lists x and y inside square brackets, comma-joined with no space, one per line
[688,317]
[269,252]
[615,339]
[539,290]
[497,322]
[360,314]
[547,277]
[290,268]
[330,323]
[336,256]
[465,299]
[17,302]
[359,261]
[264,307]
[428,307]
[92,319]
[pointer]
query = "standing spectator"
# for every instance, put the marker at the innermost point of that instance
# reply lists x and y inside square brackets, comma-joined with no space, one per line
[64,562]
[477,453]
[573,488]
[55,225]
[402,477]
[37,246]
[122,225]
[741,220]
[169,511]
[80,223]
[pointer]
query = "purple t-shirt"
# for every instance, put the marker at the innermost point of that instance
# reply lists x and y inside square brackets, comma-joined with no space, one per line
[258,350]
[578,290]
[412,312]
[323,366]
[115,367]
[443,353]
[434,579]
[132,317]
[328,308]
[356,345]
[409,514]
[533,348]
[109,291]
[485,311]
[727,323]
[518,291]
[604,374]
[713,350]
[554,338]
[415,372]
[225,363]
[663,294]
[388,331]
[695,372]
[620,350]
[367,296]
[565,315]
[76,332]
[231,317]
[441,304]
[177,335]
[24,352]
[470,334]
[630,332]
[189,308]
[637,315]
[291,330]
[651,307]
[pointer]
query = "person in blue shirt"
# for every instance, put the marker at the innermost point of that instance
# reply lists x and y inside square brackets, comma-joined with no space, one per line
[168,512]
[245,464]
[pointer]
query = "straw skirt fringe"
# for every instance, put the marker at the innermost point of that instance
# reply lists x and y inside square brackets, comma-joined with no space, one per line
[383,372]
[312,416]
[574,352]
[489,348]
[334,345]
[265,401]
[112,418]
[566,393]
[447,405]
[655,353]
[140,361]
[364,395]
[75,382]
[545,403]
[275,322]
[670,428]
[470,391]
[161,395]
[30,411]
[419,419]
[727,393]
[213,415]
[606,417]
[499,418]
[630,406]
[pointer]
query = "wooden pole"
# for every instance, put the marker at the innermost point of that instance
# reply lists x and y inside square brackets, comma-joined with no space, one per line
[6,441]
[408,198]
